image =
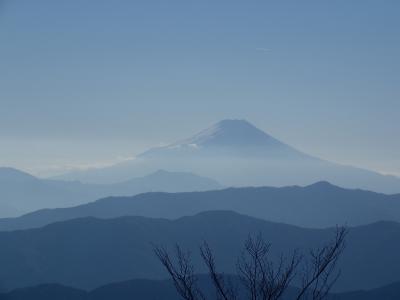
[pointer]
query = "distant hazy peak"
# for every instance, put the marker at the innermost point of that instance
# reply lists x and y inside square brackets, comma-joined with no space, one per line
[171,181]
[7,173]
[230,133]
[227,138]
[323,185]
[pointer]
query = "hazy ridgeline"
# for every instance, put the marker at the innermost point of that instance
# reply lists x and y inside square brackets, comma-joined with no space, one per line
[88,252]
[317,206]
[236,153]
[163,289]
[90,248]
[21,193]
[199,150]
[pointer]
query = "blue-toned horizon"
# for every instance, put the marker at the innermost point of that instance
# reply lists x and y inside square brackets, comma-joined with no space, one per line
[90,83]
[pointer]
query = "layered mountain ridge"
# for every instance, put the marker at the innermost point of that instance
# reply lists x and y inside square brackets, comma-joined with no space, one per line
[21,193]
[318,205]
[236,153]
[89,252]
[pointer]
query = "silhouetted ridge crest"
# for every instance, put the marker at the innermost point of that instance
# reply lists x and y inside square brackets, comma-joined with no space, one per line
[31,257]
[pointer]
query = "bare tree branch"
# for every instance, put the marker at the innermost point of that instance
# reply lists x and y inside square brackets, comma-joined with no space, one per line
[223,292]
[258,274]
[260,277]
[317,280]
[182,273]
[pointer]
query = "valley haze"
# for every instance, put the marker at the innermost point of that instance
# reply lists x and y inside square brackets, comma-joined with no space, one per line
[199,150]
[236,153]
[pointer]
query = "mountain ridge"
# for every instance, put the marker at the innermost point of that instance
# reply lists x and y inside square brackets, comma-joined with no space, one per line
[21,193]
[95,252]
[236,153]
[156,289]
[319,205]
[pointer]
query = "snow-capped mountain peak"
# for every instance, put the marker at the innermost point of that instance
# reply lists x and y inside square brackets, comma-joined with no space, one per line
[228,133]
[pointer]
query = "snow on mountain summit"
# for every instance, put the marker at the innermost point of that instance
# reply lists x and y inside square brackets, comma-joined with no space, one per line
[224,139]
[228,133]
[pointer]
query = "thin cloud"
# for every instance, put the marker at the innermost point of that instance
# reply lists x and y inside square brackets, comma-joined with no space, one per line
[56,170]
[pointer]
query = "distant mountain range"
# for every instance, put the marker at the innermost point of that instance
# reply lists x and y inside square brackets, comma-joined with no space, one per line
[317,205]
[236,153]
[22,193]
[164,289]
[87,253]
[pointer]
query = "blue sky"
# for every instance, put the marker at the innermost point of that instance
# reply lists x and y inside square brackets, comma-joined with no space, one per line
[92,82]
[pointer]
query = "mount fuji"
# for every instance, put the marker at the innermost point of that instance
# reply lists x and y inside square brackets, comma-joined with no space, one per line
[228,137]
[236,153]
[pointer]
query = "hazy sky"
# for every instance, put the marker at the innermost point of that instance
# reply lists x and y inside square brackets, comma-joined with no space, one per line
[92,82]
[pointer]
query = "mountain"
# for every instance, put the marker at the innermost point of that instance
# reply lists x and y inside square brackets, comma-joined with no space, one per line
[46,292]
[318,205]
[231,138]
[87,253]
[21,193]
[236,153]
[164,289]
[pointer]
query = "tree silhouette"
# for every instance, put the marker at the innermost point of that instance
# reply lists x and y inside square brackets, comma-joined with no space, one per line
[259,276]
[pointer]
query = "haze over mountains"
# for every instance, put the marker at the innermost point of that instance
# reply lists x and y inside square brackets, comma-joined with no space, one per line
[101,245]
[22,193]
[88,234]
[236,153]
[233,152]
[143,143]
[87,253]
[317,205]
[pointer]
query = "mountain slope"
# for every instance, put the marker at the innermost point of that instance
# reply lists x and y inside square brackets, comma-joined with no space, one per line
[46,292]
[317,205]
[236,153]
[87,253]
[22,193]
[228,137]
[164,289]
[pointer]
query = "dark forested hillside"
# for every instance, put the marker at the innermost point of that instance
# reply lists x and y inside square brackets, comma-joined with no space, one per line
[88,252]
[164,289]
